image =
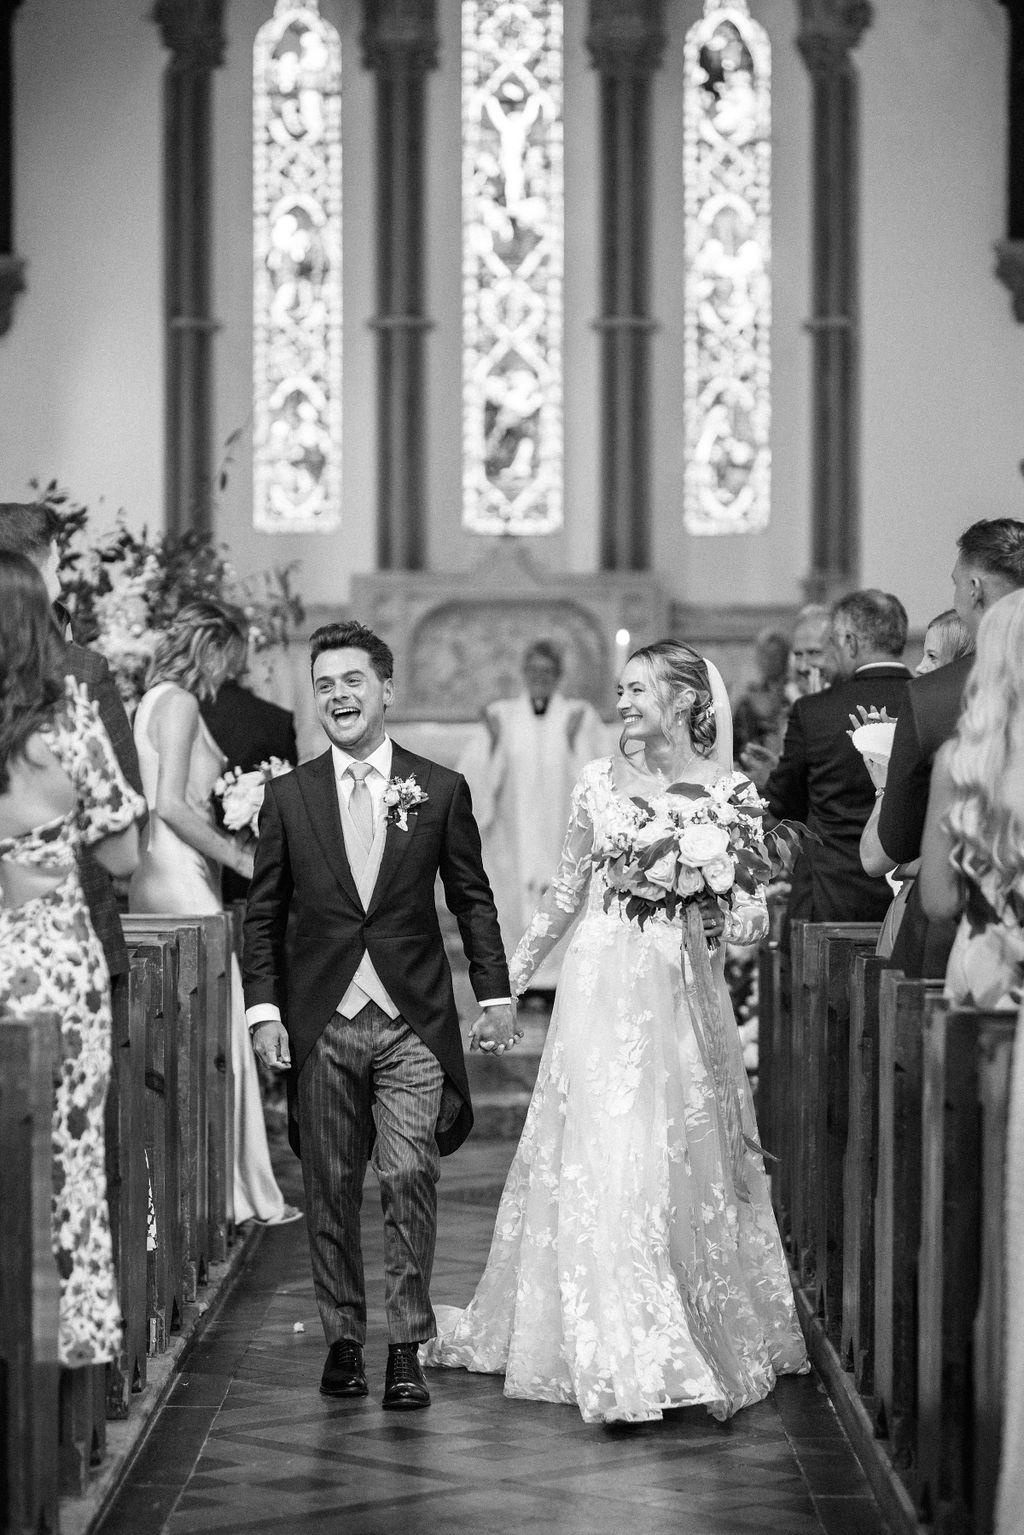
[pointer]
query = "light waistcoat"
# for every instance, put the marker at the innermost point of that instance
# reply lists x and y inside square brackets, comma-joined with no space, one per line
[366,985]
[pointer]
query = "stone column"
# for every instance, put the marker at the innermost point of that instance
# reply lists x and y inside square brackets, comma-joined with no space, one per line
[626,41]
[829,31]
[192,30]
[400,46]
[12,267]
[1010,251]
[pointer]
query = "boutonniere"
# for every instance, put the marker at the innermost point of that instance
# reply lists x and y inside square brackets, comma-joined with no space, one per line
[400,796]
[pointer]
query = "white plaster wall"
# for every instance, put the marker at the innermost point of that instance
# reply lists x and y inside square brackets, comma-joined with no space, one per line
[943,360]
[328,560]
[747,568]
[81,370]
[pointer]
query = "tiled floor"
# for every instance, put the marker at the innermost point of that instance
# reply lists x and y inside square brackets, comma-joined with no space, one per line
[246,1443]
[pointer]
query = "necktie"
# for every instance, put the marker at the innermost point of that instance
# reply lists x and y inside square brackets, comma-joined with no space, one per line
[360,806]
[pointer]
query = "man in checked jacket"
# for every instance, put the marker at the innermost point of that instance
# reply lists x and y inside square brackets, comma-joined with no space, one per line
[31,529]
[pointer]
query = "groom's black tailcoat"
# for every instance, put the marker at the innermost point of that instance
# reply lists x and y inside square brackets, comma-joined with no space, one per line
[306,929]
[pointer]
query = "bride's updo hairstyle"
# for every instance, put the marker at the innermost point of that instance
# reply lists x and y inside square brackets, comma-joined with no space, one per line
[674,670]
[206,643]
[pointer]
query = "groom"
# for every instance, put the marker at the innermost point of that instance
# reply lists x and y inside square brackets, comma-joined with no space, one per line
[347,983]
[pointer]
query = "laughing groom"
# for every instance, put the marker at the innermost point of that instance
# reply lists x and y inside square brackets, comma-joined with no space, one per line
[347,983]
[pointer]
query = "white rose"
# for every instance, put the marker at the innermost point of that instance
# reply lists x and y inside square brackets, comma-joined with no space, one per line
[688,881]
[662,872]
[647,836]
[391,797]
[720,874]
[701,844]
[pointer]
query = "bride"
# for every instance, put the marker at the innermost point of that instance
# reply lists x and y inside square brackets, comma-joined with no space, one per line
[635,1265]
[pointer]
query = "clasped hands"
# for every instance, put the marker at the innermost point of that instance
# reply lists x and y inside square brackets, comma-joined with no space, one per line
[495,1030]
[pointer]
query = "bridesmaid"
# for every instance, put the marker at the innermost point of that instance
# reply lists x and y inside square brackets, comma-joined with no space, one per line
[181,862]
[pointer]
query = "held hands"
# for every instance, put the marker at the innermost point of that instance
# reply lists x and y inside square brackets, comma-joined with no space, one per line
[495,1030]
[270,1042]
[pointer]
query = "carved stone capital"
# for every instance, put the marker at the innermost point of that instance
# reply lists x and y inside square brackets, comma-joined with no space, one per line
[626,37]
[12,282]
[1010,271]
[193,30]
[829,31]
[400,36]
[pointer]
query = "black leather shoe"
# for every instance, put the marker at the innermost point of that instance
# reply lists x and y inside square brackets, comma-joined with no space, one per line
[404,1386]
[343,1373]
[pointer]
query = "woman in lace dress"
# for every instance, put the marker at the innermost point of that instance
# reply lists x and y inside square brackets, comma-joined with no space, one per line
[61,789]
[179,871]
[630,1270]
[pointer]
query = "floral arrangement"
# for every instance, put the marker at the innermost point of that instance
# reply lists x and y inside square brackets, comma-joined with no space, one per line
[124,590]
[241,794]
[400,796]
[691,843]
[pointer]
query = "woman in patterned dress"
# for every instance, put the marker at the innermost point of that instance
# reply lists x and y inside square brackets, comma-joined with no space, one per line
[635,1266]
[60,789]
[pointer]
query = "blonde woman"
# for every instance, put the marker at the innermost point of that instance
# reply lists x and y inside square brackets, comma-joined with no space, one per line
[630,1272]
[972,855]
[179,871]
[946,639]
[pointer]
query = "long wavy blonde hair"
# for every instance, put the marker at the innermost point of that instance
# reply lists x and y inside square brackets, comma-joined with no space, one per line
[987,759]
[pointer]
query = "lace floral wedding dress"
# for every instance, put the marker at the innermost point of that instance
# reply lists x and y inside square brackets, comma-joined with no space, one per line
[625,1274]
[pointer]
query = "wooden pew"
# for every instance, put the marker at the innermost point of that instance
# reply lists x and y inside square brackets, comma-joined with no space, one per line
[29,1285]
[792,1106]
[967,1057]
[903,1008]
[769,1026]
[155,982]
[829,972]
[194,1025]
[220,1100]
[857,1335]
[128,1189]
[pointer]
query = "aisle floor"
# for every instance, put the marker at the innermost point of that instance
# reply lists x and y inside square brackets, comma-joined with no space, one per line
[246,1443]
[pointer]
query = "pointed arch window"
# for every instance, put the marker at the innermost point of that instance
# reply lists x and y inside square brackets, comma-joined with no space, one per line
[297,332]
[512,210]
[727,207]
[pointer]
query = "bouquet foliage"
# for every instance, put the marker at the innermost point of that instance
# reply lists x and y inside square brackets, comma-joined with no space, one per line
[241,794]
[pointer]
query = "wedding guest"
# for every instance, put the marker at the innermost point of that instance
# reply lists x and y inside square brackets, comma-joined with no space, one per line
[520,769]
[811,669]
[972,850]
[179,870]
[249,730]
[821,778]
[989,564]
[759,717]
[31,529]
[946,639]
[61,789]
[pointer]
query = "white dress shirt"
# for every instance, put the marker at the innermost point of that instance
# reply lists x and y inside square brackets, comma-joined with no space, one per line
[366,984]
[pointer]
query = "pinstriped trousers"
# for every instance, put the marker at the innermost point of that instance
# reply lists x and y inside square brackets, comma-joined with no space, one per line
[367,1072]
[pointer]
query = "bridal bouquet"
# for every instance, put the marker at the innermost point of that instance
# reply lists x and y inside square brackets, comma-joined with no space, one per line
[241,794]
[690,843]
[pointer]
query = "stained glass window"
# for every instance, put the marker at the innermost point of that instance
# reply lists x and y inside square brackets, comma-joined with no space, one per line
[297,277]
[512,261]
[726,191]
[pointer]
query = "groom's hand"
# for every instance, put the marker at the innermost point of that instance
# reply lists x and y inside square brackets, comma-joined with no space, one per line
[270,1041]
[495,1030]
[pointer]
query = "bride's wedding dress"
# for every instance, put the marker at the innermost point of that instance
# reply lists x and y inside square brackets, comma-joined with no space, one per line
[625,1274]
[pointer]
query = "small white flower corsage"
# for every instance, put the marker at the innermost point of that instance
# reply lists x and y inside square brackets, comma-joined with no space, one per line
[400,796]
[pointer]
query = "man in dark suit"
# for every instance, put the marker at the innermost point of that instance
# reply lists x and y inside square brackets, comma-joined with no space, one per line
[990,563]
[347,983]
[821,778]
[31,529]
[248,730]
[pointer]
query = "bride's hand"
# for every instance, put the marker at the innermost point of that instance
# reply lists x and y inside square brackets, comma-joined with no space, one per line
[243,861]
[713,916]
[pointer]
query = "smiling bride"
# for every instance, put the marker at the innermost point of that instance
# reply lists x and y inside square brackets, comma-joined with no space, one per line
[636,1265]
